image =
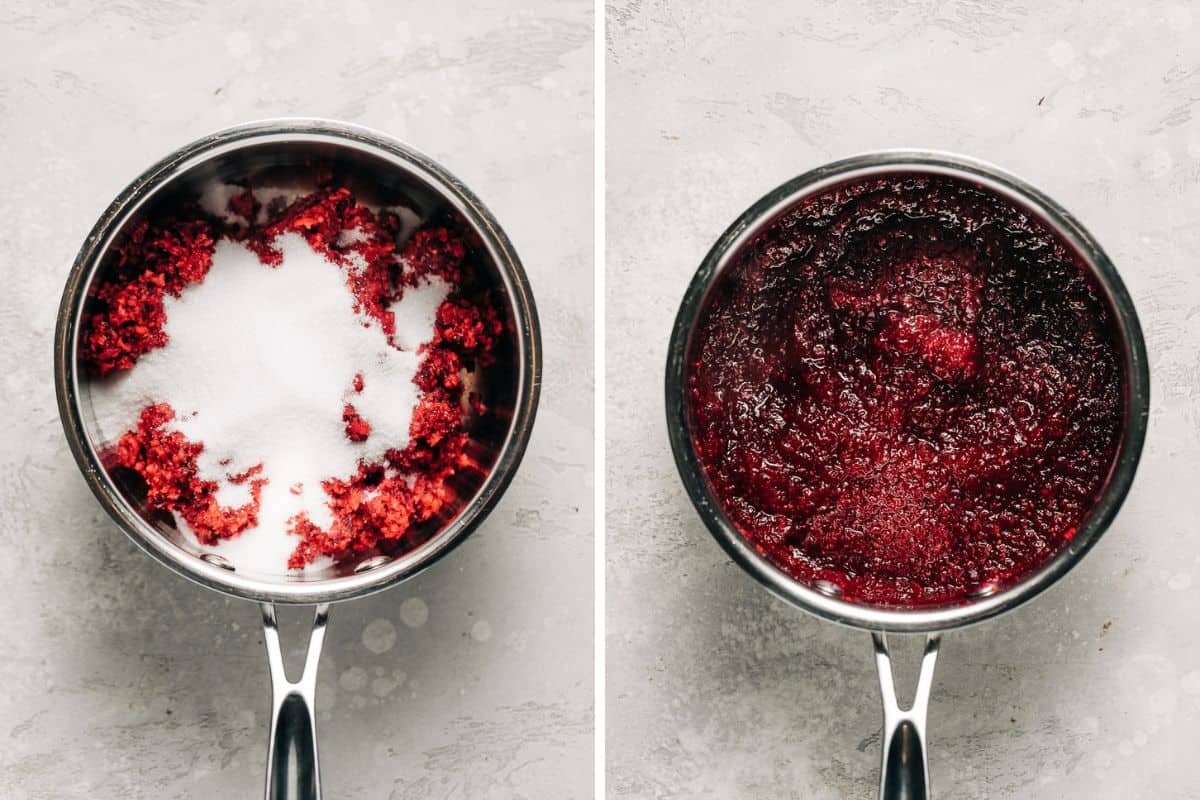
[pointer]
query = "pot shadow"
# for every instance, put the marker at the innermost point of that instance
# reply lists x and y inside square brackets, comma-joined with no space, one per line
[761,698]
[171,682]
[132,680]
[149,681]
[467,680]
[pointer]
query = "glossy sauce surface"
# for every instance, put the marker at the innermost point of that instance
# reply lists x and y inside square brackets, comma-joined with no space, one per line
[907,387]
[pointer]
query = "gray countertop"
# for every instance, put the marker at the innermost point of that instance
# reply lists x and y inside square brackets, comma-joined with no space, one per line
[716,689]
[121,680]
[474,679]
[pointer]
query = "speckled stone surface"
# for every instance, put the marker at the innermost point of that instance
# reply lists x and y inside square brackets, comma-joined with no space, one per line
[718,690]
[119,680]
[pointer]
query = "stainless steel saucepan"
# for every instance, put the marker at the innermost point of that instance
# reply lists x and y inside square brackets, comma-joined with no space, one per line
[377,169]
[904,772]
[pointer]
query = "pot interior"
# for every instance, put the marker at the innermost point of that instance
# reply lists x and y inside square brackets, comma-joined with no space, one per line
[382,176]
[743,241]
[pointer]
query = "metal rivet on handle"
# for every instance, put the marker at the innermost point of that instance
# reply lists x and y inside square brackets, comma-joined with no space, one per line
[828,588]
[218,561]
[983,590]
[370,564]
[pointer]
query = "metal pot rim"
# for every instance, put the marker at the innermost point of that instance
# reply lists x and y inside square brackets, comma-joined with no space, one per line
[1135,369]
[404,157]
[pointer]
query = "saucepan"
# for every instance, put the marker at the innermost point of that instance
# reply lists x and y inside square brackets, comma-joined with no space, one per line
[374,167]
[904,770]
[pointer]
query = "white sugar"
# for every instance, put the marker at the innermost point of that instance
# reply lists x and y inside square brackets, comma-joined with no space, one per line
[352,236]
[215,196]
[415,325]
[274,198]
[215,200]
[409,221]
[259,363]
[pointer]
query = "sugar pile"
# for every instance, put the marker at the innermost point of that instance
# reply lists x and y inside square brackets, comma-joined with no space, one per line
[259,364]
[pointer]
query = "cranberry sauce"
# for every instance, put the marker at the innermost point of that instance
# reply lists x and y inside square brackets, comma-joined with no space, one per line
[908,387]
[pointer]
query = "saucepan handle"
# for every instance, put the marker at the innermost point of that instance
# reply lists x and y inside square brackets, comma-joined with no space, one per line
[904,774]
[292,770]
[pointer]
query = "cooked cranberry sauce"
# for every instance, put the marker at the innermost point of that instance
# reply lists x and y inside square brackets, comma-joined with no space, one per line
[908,387]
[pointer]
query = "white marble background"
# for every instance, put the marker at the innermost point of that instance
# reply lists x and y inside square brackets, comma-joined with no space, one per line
[717,690]
[119,680]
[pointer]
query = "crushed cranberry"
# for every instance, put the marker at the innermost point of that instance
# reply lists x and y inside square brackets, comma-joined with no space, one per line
[357,428]
[435,251]
[322,218]
[906,387]
[166,461]
[126,317]
[383,501]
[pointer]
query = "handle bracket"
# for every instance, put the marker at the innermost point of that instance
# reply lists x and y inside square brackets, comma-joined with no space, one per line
[293,772]
[904,771]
